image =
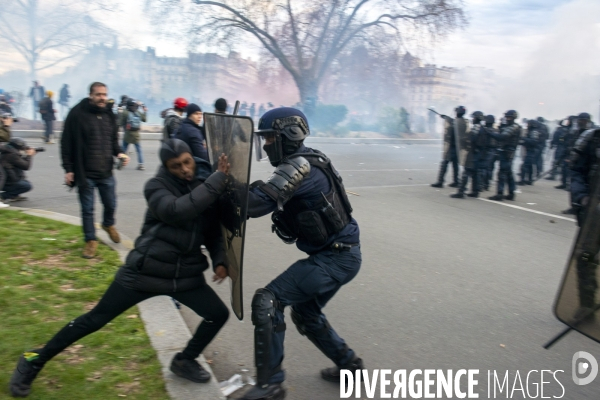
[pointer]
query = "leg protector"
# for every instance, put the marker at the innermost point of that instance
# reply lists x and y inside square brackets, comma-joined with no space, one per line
[264,306]
[320,336]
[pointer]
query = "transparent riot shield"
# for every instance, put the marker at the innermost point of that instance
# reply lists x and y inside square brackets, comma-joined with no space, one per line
[233,136]
[577,304]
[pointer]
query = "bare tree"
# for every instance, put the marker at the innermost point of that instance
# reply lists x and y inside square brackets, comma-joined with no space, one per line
[307,36]
[47,33]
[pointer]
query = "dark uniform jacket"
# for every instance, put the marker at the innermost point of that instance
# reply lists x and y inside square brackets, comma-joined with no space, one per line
[585,159]
[180,218]
[89,142]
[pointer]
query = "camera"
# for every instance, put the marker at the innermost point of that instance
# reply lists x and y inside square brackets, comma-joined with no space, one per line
[39,149]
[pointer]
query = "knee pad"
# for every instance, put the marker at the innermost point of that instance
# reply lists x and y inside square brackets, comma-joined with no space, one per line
[301,322]
[298,320]
[264,305]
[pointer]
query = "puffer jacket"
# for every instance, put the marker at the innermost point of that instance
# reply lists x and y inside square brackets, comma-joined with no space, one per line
[181,216]
[193,136]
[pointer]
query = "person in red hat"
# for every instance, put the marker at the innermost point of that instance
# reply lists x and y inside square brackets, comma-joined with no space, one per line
[173,117]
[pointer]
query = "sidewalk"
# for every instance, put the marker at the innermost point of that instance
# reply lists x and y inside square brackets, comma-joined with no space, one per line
[164,324]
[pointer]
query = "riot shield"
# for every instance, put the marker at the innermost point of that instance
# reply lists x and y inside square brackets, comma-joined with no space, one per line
[460,135]
[577,304]
[232,135]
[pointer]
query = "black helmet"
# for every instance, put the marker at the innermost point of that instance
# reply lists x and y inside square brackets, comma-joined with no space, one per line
[289,128]
[17,143]
[477,114]
[511,113]
[541,119]
[490,119]
[460,110]
[131,102]
[584,115]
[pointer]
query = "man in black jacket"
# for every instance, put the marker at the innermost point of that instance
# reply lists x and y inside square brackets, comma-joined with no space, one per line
[89,142]
[167,260]
[192,133]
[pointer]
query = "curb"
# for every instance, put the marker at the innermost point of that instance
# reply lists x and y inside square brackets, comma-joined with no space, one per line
[164,324]
[35,134]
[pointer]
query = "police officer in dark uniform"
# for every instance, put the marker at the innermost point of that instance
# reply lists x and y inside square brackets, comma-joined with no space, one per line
[492,154]
[471,161]
[561,155]
[585,165]
[310,208]
[544,136]
[531,143]
[509,139]
[450,151]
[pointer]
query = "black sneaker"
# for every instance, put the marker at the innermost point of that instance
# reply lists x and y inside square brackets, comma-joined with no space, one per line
[497,197]
[458,195]
[333,374]
[521,183]
[510,196]
[24,374]
[550,178]
[437,185]
[272,391]
[455,185]
[473,194]
[189,369]
[560,187]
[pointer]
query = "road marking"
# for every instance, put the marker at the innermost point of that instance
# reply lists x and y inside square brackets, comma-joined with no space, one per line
[387,170]
[528,209]
[387,186]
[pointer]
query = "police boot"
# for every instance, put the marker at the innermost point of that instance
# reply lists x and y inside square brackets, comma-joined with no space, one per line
[473,194]
[459,195]
[272,391]
[437,185]
[521,183]
[511,196]
[561,186]
[550,178]
[453,184]
[497,197]
[333,374]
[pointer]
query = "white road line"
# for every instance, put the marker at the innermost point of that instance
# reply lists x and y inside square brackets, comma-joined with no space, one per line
[528,209]
[388,170]
[386,186]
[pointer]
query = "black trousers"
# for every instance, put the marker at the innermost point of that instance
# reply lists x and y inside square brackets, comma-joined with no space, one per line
[117,299]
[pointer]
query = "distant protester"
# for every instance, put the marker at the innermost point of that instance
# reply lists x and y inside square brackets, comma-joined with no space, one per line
[6,121]
[192,133]
[174,117]
[36,93]
[63,100]
[131,120]
[48,116]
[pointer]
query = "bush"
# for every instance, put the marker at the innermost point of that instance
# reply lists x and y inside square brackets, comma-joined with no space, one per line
[327,116]
[394,121]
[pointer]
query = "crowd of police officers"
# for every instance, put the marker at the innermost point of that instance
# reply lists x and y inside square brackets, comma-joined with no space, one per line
[477,147]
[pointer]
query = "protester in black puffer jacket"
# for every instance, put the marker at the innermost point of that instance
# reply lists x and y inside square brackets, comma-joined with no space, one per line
[166,260]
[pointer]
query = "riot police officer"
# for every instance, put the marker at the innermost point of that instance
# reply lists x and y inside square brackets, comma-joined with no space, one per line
[531,143]
[509,139]
[544,136]
[310,208]
[491,146]
[450,146]
[561,155]
[585,164]
[470,161]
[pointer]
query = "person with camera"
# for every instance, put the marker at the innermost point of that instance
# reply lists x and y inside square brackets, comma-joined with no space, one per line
[89,142]
[16,158]
[6,121]
[131,120]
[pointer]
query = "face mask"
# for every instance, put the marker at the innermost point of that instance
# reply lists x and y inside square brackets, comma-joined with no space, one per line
[271,150]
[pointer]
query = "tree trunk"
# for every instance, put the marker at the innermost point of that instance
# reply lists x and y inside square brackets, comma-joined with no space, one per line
[309,90]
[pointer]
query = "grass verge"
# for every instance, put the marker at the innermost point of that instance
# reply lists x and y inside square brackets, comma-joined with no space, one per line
[44,283]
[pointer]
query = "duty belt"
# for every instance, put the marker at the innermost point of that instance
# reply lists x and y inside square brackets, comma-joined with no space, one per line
[339,247]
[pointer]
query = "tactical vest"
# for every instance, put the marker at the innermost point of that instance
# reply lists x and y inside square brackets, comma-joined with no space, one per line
[314,223]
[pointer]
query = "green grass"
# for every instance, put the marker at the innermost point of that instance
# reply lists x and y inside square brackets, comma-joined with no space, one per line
[43,285]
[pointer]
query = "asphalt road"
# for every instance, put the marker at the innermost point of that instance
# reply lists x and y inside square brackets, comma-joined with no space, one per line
[445,283]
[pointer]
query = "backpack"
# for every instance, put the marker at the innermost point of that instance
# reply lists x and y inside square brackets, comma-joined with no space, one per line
[134,122]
